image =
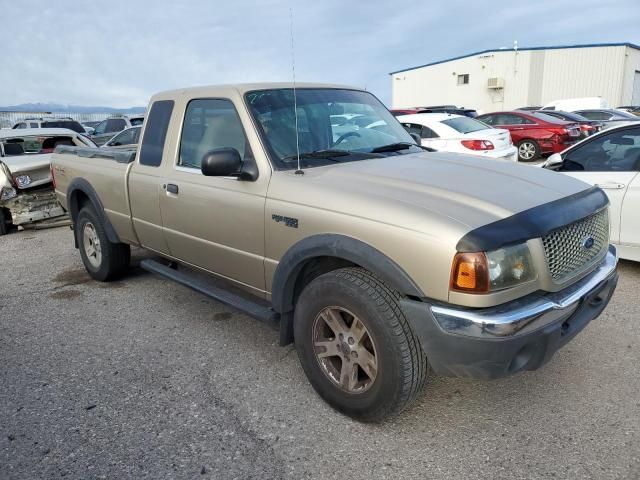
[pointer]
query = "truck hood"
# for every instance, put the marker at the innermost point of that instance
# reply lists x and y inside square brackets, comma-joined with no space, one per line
[426,191]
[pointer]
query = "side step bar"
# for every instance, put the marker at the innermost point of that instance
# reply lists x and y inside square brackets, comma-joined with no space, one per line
[252,309]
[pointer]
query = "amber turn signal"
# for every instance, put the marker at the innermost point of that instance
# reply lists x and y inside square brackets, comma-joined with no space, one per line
[470,273]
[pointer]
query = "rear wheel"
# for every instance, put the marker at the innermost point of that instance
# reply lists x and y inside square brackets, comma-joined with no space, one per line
[104,260]
[528,150]
[356,346]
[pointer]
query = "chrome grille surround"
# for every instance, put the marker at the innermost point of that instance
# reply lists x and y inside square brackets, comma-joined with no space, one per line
[567,248]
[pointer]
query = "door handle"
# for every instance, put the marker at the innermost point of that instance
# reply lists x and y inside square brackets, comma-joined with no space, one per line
[611,186]
[172,188]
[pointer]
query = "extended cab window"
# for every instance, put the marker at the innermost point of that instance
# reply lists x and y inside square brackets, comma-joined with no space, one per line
[156,133]
[209,124]
[616,152]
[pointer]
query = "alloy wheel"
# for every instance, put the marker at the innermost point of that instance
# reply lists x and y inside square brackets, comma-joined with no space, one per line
[345,350]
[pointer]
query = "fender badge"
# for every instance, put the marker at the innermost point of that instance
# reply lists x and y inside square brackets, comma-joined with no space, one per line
[288,221]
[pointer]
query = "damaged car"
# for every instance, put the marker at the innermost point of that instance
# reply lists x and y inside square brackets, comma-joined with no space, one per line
[26,188]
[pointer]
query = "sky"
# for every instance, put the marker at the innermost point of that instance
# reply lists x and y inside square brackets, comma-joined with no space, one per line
[119,53]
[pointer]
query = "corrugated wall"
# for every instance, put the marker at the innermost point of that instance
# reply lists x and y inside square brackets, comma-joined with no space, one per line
[584,72]
[532,77]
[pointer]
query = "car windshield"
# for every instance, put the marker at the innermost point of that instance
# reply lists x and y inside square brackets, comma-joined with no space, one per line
[568,116]
[333,125]
[623,114]
[36,144]
[465,124]
[547,118]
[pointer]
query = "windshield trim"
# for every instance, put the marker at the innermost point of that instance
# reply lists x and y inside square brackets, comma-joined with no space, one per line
[273,158]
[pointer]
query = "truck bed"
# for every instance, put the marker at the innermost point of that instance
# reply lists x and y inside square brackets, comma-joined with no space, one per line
[106,170]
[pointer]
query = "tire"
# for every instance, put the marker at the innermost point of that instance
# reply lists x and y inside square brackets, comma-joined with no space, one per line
[528,150]
[5,219]
[360,299]
[103,259]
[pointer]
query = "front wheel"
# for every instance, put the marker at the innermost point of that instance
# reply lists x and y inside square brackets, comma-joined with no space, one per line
[528,150]
[104,260]
[355,345]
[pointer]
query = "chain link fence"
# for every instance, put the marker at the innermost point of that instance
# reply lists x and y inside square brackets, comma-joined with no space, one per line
[9,119]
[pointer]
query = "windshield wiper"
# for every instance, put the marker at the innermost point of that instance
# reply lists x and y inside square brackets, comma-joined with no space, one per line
[394,147]
[323,154]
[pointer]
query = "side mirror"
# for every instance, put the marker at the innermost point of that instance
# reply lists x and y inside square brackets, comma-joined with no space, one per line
[416,138]
[221,162]
[554,160]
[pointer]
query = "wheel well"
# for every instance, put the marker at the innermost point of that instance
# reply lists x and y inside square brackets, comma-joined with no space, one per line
[78,200]
[313,268]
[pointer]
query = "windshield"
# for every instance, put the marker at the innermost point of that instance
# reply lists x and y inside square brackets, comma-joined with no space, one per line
[466,124]
[547,118]
[334,125]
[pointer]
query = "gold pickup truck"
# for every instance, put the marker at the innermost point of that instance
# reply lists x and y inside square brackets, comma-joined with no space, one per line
[378,257]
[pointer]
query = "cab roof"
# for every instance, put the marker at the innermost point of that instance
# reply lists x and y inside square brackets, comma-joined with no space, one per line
[241,88]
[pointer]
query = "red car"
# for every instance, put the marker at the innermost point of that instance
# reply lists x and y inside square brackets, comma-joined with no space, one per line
[535,134]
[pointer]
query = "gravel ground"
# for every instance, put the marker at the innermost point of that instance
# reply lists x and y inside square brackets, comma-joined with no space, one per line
[143,378]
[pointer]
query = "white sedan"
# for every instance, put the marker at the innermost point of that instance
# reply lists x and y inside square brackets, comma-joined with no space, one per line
[456,133]
[611,161]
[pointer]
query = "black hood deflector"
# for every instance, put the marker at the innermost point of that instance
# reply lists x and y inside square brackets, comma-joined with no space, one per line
[535,222]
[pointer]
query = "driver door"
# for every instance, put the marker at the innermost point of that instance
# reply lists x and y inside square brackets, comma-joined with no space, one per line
[611,162]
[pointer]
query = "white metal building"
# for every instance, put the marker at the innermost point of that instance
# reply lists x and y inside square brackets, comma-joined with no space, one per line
[506,79]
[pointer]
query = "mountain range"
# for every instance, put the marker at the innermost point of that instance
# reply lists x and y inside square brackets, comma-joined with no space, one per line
[62,108]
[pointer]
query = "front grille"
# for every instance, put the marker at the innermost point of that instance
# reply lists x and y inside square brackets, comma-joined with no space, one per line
[567,249]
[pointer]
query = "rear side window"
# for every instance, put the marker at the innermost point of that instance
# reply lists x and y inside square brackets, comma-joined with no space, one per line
[136,121]
[75,126]
[156,133]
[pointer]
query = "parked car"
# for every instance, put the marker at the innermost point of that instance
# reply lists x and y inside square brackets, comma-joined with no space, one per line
[467,112]
[50,122]
[26,192]
[634,109]
[530,109]
[90,126]
[587,127]
[126,139]
[611,161]
[609,117]
[573,104]
[454,133]
[534,134]
[105,130]
[372,254]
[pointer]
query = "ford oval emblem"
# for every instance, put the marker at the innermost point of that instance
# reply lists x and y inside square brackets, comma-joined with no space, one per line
[587,242]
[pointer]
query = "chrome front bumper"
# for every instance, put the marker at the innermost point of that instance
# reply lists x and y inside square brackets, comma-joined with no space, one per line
[528,314]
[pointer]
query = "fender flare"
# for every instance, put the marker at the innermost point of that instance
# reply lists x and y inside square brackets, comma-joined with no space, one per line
[337,246]
[78,185]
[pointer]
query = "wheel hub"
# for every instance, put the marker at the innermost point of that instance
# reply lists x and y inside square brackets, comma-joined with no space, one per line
[344,349]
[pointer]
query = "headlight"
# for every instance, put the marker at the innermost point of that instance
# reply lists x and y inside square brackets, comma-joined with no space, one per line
[22,180]
[510,266]
[7,193]
[484,272]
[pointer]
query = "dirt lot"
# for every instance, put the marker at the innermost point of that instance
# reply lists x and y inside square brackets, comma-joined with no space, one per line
[143,378]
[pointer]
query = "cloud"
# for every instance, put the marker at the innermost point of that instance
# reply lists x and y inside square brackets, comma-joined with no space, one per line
[120,54]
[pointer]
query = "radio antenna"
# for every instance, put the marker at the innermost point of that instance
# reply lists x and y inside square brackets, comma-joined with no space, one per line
[299,171]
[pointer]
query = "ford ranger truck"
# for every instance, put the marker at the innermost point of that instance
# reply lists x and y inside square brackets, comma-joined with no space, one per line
[379,258]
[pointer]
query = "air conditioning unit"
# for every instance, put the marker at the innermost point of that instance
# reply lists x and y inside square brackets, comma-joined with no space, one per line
[495,82]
